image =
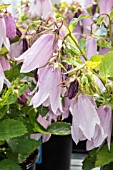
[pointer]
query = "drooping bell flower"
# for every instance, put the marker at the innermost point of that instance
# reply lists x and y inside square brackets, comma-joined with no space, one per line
[5,64]
[16,49]
[3,79]
[45,122]
[91,47]
[49,88]
[39,54]
[3,39]
[41,8]
[105,115]
[10,26]
[105,7]
[85,119]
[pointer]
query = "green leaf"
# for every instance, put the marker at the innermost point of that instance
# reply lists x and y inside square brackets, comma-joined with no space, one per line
[89,161]
[3,111]
[104,156]
[97,58]
[106,66]
[60,128]
[11,128]
[74,21]
[3,6]
[8,164]
[103,43]
[108,167]
[99,19]
[111,15]
[24,147]
[3,51]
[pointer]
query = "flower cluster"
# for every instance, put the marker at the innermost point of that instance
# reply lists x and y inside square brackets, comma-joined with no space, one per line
[57,62]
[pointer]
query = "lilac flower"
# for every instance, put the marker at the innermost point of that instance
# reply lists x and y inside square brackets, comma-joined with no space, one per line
[16,49]
[49,88]
[105,7]
[3,39]
[39,54]
[41,8]
[105,115]
[10,26]
[85,119]
[86,23]
[91,47]
[3,79]
[45,122]
[5,64]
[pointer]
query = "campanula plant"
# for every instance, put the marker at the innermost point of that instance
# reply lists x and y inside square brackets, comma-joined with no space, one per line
[54,62]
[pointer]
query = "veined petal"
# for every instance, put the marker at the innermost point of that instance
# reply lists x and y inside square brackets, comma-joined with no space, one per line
[35,8]
[105,115]
[46,8]
[3,39]
[35,57]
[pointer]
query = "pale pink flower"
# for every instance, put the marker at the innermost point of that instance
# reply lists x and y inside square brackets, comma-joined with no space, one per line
[45,122]
[91,47]
[49,88]
[16,49]
[5,64]
[85,120]
[105,115]
[10,26]
[3,79]
[39,54]
[105,6]
[3,39]
[41,8]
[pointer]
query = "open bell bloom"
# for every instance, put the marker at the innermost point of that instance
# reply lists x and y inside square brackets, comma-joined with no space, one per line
[5,64]
[41,8]
[3,79]
[39,54]
[10,26]
[105,115]
[3,39]
[49,88]
[86,123]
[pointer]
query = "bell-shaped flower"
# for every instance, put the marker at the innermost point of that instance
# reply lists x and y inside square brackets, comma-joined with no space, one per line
[105,7]
[45,122]
[3,39]
[39,54]
[49,88]
[105,115]
[91,47]
[5,64]
[10,26]
[3,79]
[41,8]
[85,119]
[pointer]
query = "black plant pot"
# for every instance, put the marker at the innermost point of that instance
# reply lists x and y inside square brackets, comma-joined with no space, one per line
[30,163]
[56,153]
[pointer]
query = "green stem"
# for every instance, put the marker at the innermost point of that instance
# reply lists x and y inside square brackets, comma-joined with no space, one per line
[70,35]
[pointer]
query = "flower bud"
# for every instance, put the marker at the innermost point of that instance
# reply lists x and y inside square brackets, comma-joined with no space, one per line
[36,75]
[18,32]
[25,45]
[73,89]
[10,26]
